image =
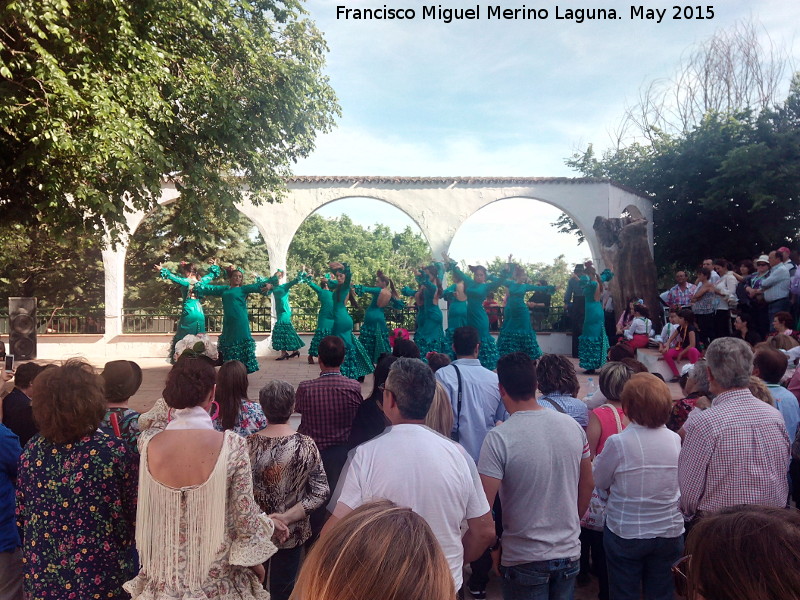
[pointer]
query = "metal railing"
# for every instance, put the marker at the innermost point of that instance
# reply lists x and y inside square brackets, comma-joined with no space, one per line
[304,319]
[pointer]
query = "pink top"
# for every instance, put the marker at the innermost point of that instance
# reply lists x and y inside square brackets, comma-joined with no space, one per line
[608,424]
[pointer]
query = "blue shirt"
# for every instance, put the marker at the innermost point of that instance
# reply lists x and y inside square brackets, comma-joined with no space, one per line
[573,407]
[776,283]
[481,406]
[10,451]
[786,402]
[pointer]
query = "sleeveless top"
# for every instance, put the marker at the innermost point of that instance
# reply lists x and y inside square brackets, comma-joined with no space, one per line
[608,424]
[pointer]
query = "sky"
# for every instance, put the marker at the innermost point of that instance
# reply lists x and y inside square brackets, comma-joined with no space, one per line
[490,97]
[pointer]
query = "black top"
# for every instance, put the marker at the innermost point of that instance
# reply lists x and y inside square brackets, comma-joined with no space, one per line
[540,298]
[18,417]
[751,337]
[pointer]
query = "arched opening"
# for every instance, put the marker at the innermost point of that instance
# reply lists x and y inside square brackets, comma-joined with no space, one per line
[367,233]
[532,231]
[153,305]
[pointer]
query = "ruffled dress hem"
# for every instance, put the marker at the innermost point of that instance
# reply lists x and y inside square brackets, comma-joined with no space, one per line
[244,352]
[284,337]
[357,362]
[509,343]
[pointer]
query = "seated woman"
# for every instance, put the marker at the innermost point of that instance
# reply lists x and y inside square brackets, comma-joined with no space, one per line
[378,551]
[783,323]
[557,381]
[289,482]
[686,338]
[744,328]
[729,555]
[235,410]
[76,492]
[199,531]
[639,467]
[637,335]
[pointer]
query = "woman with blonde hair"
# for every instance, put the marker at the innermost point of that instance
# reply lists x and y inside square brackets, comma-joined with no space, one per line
[380,550]
[440,415]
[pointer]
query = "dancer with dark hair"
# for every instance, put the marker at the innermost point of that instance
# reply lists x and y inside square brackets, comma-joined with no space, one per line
[374,335]
[357,363]
[284,336]
[193,320]
[517,334]
[456,297]
[324,316]
[477,289]
[236,342]
[593,342]
[429,336]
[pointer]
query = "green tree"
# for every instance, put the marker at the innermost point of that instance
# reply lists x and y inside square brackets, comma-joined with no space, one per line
[101,99]
[729,187]
[229,240]
[36,262]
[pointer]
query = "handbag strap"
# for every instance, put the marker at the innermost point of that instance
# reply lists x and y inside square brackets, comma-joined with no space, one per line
[616,415]
[458,402]
[555,405]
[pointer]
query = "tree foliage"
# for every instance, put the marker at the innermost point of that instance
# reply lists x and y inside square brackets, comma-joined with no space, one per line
[100,99]
[729,187]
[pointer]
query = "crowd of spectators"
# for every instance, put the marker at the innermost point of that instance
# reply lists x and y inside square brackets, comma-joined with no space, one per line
[444,464]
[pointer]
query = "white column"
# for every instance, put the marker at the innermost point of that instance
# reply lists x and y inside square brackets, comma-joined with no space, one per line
[114,267]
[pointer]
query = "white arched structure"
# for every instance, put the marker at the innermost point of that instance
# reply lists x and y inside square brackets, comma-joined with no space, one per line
[438,205]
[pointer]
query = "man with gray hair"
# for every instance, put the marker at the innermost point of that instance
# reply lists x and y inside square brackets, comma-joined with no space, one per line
[737,451]
[414,466]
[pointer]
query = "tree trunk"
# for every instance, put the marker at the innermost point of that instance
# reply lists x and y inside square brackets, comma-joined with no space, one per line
[624,244]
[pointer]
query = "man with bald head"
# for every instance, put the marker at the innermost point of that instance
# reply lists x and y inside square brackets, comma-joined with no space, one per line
[681,293]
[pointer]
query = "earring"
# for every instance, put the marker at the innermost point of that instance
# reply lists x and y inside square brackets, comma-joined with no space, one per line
[215,413]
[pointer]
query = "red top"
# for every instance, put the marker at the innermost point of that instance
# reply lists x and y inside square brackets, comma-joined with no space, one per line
[327,406]
[608,424]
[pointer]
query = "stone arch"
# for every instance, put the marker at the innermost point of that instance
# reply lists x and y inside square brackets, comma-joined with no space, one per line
[586,229]
[438,205]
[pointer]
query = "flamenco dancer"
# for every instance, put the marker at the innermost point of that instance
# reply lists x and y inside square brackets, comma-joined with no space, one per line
[374,334]
[477,289]
[357,362]
[193,319]
[593,342]
[284,336]
[429,336]
[456,298]
[236,341]
[324,316]
[517,335]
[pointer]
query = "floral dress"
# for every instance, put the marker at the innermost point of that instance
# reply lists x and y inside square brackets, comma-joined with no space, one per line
[76,505]
[250,420]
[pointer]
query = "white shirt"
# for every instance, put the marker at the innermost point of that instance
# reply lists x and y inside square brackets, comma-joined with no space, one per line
[727,286]
[639,326]
[640,468]
[416,467]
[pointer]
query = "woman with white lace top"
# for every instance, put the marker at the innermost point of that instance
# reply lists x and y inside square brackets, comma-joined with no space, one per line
[199,532]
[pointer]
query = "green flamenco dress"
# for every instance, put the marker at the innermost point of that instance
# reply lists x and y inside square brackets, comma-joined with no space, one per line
[235,342]
[374,334]
[456,317]
[324,317]
[284,336]
[193,319]
[429,336]
[357,363]
[476,314]
[517,334]
[593,342]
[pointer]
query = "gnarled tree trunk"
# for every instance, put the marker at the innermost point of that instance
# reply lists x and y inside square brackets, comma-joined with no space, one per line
[624,246]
